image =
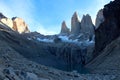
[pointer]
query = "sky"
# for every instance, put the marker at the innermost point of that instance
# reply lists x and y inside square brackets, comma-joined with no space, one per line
[46,16]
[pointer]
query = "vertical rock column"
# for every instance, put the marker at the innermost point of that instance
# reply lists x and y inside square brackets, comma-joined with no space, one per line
[75,24]
[64,29]
[99,18]
[87,27]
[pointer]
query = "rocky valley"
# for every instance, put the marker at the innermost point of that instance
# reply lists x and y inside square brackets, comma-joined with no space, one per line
[84,52]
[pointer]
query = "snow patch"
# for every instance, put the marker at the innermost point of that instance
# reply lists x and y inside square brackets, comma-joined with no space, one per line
[86,42]
[66,39]
[44,40]
[29,38]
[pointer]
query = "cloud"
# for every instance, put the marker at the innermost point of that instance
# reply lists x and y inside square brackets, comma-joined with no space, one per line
[41,29]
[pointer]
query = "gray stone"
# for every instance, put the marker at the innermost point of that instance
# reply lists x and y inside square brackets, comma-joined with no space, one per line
[99,18]
[87,27]
[75,24]
[64,29]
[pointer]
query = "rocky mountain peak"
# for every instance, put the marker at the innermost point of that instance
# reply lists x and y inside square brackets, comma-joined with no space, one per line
[87,26]
[16,23]
[64,28]
[86,19]
[20,25]
[75,24]
[13,18]
[75,15]
[99,18]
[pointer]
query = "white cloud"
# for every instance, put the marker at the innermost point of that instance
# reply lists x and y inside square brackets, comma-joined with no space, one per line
[41,29]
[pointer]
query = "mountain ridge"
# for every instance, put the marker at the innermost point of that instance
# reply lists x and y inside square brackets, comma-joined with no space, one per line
[22,55]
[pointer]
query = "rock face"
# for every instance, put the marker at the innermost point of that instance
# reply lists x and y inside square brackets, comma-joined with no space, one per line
[8,22]
[75,24]
[19,25]
[64,29]
[16,24]
[87,27]
[108,62]
[109,30]
[99,18]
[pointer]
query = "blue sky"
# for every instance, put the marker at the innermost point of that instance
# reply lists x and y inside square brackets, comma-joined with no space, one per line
[46,16]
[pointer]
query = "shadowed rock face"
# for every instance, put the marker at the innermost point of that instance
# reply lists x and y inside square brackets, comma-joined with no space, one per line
[87,26]
[99,18]
[75,24]
[108,62]
[107,44]
[64,29]
[109,30]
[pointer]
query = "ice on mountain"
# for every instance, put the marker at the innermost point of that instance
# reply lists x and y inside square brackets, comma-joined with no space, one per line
[44,40]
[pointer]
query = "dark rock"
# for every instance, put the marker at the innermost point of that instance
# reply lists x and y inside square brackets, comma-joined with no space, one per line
[108,62]
[57,40]
[6,71]
[13,18]
[2,16]
[109,30]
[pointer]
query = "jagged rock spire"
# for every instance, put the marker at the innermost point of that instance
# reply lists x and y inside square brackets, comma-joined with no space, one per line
[20,25]
[87,26]
[75,24]
[99,18]
[64,28]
